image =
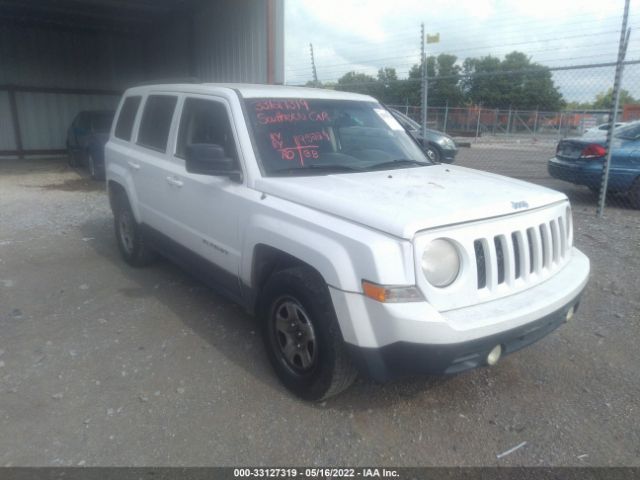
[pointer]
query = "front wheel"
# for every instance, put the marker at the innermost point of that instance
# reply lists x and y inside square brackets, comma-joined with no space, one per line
[302,336]
[432,153]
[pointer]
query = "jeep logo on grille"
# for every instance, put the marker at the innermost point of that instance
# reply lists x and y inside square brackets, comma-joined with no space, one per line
[518,205]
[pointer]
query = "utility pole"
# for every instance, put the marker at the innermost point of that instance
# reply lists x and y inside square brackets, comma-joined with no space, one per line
[423,60]
[313,67]
[617,82]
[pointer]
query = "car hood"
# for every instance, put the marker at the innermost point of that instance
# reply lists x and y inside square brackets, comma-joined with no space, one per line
[402,202]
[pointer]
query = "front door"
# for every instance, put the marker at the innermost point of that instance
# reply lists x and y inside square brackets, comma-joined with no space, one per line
[208,208]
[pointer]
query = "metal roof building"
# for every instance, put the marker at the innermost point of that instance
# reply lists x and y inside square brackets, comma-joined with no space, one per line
[58,57]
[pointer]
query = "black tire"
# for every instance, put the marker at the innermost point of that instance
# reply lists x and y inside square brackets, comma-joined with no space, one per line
[131,242]
[319,366]
[634,194]
[432,153]
[94,170]
[72,158]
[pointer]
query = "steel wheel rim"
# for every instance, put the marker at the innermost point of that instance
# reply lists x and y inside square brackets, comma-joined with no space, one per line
[294,335]
[431,155]
[126,231]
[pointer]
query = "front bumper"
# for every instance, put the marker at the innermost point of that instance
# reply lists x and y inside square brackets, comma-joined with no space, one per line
[448,154]
[393,340]
[405,358]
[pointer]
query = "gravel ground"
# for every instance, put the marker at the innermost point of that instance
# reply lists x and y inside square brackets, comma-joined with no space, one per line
[101,364]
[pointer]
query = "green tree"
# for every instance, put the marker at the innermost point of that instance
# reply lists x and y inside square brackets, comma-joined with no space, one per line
[388,89]
[604,100]
[358,83]
[444,80]
[515,82]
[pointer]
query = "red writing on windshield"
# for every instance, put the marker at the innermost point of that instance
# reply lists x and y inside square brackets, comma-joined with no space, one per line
[301,150]
[311,137]
[291,117]
[281,105]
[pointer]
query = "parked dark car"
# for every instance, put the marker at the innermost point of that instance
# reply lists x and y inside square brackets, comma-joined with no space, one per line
[581,161]
[86,138]
[439,146]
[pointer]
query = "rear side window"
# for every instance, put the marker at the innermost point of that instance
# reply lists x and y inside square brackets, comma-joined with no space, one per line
[156,121]
[127,117]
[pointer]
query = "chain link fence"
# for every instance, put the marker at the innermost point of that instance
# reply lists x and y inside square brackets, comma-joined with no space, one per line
[562,148]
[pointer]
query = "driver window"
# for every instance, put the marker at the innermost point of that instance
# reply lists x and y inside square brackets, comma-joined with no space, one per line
[205,121]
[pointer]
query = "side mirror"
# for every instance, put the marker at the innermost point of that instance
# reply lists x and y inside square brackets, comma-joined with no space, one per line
[210,159]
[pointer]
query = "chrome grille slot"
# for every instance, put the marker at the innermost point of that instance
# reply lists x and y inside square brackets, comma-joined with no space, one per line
[498,241]
[481,263]
[517,254]
[555,241]
[563,237]
[545,244]
[535,261]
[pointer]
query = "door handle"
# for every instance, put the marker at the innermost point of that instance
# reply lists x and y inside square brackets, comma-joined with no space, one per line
[175,182]
[135,166]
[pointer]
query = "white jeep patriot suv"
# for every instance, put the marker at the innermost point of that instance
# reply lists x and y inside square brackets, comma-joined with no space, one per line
[316,210]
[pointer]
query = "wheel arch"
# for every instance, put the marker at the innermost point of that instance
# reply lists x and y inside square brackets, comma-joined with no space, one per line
[117,189]
[266,260]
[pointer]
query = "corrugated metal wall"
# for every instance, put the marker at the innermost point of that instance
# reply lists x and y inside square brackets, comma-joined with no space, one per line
[7,135]
[222,41]
[37,110]
[231,42]
[53,57]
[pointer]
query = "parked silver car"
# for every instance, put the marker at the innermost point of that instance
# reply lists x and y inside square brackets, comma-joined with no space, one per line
[438,146]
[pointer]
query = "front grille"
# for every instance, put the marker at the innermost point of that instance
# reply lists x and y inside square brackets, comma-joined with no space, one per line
[517,255]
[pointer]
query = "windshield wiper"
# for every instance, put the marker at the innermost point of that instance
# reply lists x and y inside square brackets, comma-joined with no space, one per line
[317,168]
[397,163]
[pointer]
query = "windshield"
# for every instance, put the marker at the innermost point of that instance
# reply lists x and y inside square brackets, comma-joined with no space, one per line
[312,136]
[628,132]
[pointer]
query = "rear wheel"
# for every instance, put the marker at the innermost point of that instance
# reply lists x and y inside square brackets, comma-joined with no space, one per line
[94,170]
[72,158]
[131,242]
[302,336]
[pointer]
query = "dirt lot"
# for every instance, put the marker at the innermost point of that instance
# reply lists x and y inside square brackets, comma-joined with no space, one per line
[101,364]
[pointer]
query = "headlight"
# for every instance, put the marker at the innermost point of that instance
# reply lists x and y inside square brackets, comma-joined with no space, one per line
[447,142]
[440,262]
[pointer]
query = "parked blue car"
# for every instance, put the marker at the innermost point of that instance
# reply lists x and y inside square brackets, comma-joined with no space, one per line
[581,161]
[86,138]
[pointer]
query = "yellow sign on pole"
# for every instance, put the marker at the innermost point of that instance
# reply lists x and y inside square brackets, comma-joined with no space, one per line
[433,38]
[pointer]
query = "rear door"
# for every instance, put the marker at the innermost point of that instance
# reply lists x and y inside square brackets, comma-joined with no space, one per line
[151,164]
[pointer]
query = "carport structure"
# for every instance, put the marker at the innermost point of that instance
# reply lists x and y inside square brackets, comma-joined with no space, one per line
[58,57]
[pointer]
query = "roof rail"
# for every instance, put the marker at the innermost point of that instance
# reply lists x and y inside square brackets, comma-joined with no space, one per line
[165,81]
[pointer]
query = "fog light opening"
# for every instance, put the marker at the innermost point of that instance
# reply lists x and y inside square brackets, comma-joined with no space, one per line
[494,355]
[570,313]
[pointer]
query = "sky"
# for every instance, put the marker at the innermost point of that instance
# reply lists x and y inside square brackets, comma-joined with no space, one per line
[366,35]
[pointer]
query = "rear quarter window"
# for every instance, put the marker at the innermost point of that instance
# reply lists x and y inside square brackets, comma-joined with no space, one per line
[127,116]
[156,121]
